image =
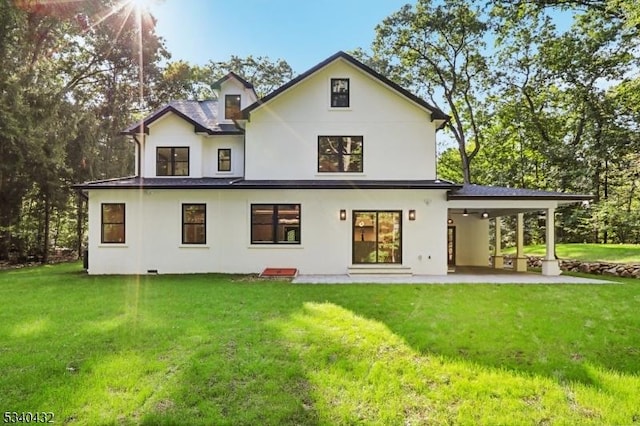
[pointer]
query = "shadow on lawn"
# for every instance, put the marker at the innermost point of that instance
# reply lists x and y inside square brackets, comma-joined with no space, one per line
[539,330]
[150,350]
[361,372]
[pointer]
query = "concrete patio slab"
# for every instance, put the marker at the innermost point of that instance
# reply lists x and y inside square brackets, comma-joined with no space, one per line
[456,278]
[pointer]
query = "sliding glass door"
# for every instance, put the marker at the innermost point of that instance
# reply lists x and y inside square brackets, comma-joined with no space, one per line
[377,237]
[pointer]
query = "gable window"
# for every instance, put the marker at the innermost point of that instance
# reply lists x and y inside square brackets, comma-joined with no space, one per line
[275,224]
[339,93]
[232,107]
[342,154]
[224,160]
[194,224]
[113,223]
[172,161]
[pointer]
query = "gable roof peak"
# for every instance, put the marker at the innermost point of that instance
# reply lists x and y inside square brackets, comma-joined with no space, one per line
[436,114]
[235,76]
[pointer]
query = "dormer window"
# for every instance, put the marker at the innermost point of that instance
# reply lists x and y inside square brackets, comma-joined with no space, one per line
[232,107]
[172,161]
[339,93]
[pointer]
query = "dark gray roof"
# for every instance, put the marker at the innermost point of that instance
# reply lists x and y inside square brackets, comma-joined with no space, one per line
[436,114]
[477,192]
[239,183]
[202,114]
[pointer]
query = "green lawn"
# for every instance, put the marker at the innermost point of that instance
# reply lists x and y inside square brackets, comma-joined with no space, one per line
[212,349]
[617,253]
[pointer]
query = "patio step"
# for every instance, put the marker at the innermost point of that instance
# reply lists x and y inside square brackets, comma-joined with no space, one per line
[386,270]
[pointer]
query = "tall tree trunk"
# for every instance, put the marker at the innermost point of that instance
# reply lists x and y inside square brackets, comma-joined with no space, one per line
[606,197]
[45,240]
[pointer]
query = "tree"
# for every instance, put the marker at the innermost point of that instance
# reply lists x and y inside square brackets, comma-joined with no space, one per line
[181,80]
[68,68]
[438,47]
[559,84]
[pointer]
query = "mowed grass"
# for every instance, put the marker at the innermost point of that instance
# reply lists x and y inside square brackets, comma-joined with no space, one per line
[616,253]
[214,349]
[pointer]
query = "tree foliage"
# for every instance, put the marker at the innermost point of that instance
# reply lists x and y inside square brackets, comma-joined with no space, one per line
[437,48]
[73,75]
[181,80]
[68,84]
[542,94]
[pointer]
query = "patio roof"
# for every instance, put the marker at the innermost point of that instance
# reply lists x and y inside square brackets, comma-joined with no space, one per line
[484,192]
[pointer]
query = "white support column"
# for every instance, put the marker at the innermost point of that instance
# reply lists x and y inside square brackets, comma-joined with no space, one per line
[550,265]
[521,261]
[498,259]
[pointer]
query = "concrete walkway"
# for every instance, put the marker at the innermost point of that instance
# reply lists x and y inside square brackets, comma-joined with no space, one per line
[454,278]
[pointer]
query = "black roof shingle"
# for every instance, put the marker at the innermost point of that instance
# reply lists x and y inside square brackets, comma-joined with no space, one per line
[202,114]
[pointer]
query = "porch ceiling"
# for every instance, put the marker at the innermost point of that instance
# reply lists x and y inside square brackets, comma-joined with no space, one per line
[493,212]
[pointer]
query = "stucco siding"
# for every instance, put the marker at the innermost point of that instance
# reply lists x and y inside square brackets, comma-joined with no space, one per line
[172,131]
[210,155]
[233,87]
[398,136]
[153,231]
[472,240]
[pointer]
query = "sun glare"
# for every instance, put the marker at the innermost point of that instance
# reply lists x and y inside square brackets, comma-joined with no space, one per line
[140,5]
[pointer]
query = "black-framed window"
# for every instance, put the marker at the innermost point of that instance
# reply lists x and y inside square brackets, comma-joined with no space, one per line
[340,154]
[224,160]
[232,107]
[112,219]
[339,93]
[194,224]
[275,224]
[172,161]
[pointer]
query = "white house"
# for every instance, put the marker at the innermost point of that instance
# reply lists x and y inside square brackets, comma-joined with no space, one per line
[332,173]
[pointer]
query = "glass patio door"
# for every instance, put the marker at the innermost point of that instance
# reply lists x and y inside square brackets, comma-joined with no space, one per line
[377,237]
[451,245]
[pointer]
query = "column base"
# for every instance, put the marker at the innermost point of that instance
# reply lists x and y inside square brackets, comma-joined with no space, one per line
[498,262]
[521,264]
[551,267]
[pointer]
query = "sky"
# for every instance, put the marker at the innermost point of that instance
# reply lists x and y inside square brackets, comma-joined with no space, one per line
[302,32]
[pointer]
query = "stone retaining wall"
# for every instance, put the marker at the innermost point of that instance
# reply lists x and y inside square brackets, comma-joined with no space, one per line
[626,270]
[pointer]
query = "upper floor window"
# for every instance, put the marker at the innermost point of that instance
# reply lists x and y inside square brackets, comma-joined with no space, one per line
[194,224]
[172,161]
[275,224]
[224,160]
[339,93]
[112,221]
[340,154]
[232,107]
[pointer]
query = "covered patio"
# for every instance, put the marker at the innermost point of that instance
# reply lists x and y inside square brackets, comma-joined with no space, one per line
[473,206]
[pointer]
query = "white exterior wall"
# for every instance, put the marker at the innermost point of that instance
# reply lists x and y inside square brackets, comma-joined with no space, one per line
[210,155]
[472,240]
[172,131]
[231,86]
[398,136]
[153,231]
